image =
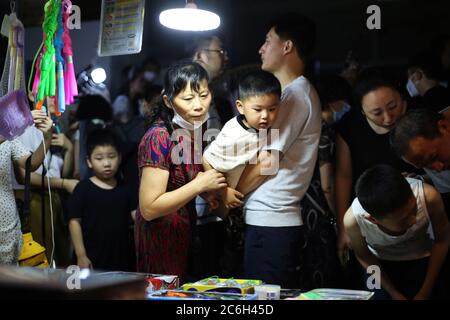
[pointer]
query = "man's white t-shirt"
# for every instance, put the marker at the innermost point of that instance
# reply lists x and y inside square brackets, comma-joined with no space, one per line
[276,203]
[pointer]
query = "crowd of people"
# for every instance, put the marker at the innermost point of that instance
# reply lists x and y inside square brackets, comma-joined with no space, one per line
[262,172]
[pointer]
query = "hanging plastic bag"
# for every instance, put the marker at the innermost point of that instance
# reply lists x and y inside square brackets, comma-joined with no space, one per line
[15,114]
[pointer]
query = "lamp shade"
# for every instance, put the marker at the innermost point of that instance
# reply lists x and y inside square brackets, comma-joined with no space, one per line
[189,19]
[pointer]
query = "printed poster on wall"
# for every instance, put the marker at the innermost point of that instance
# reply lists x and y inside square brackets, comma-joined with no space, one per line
[121,27]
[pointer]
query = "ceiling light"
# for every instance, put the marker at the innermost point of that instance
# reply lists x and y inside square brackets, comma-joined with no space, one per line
[189,18]
[98,75]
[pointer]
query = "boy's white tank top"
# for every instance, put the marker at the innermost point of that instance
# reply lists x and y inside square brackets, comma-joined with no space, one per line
[414,244]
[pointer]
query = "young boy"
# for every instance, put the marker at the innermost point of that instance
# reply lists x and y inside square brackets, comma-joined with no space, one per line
[399,225]
[241,138]
[99,209]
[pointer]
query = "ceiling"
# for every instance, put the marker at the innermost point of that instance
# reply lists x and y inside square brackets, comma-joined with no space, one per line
[407,26]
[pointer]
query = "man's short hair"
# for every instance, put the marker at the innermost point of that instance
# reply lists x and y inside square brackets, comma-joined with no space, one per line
[382,190]
[429,63]
[299,29]
[414,123]
[101,137]
[258,83]
[200,42]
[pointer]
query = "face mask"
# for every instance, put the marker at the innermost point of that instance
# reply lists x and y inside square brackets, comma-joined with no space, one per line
[339,114]
[180,121]
[412,90]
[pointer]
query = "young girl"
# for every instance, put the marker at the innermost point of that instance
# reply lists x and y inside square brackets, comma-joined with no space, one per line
[14,151]
[167,187]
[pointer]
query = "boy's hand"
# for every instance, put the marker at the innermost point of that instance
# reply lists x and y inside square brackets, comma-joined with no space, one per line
[42,122]
[232,198]
[343,247]
[84,262]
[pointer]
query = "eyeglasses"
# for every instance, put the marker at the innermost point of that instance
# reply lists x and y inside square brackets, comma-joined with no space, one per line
[221,51]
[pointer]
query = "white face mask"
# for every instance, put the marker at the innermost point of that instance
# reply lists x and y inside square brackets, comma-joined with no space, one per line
[412,90]
[183,123]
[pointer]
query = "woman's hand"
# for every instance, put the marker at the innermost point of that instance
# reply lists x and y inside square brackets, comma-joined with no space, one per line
[60,140]
[42,122]
[210,180]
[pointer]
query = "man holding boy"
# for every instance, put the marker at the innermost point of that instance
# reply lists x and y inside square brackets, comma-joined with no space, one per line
[273,212]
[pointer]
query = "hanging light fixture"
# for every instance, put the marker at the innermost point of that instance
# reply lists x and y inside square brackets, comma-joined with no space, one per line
[189,18]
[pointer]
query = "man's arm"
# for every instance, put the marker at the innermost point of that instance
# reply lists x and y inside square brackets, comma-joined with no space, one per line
[253,175]
[441,230]
[364,256]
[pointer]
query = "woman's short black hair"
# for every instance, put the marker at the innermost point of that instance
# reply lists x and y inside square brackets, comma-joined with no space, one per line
[371,79]
[177,77]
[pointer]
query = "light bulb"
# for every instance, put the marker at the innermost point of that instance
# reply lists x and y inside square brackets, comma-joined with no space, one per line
[189,19]
[98,75]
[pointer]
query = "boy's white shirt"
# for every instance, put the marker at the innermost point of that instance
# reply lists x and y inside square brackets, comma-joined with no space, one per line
[414,244]
[233,148]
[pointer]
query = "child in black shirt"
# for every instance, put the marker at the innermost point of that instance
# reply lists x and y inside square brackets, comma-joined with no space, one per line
[100,208]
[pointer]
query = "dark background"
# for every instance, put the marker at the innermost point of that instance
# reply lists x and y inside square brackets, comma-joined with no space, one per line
[407,26]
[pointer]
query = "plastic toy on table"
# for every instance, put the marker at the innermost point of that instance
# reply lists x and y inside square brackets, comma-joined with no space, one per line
[158,282]
[215,284]
[335,294]
[194,295]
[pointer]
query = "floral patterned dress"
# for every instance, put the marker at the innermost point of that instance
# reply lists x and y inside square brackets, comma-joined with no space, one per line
[162,244]
[10,234]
